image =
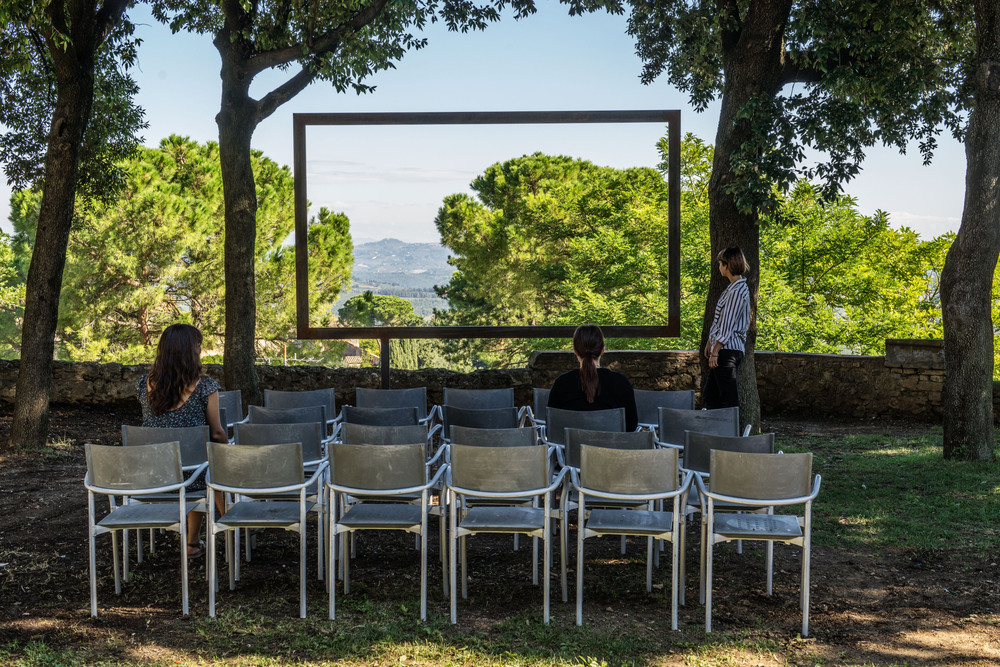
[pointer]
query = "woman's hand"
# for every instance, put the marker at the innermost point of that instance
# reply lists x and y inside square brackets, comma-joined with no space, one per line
[713,361]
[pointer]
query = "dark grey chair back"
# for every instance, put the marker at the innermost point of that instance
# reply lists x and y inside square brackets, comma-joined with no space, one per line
[380,416]
[672,423]
[499,469]
[479,398]
[634,471]
[541,404]
[622,440]
[378,467]
[192,440]
[230,407]
[274,398]
[647,402]
[473,418]
[257,467]
[494,437]
[366,434]
[761,476]
[131,468]
[698,447]
[415,397]
[593,420]
[311,413]
[310,434]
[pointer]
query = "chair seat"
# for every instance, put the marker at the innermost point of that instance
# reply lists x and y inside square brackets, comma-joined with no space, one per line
[264,514]
[503,519]
[630,522]
[382,515]
[757,526]
[144,516]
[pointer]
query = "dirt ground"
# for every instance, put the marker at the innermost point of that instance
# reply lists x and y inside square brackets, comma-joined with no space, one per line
[900,608]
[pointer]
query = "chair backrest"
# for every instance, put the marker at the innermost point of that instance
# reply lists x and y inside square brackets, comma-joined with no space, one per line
[366,434]
[499,469]
[479,398]
[648,401]
[230,405]
[541,406]
[310,434]
[494,437]
[473,418]
[633,471]
[415,397]
[380,416]
[132,468]
[698,447]
[378,467]
[192,440]
[255,467]
[608,439]
[761,476]
[593,420]
[672,423]
[309,413]
[274,398]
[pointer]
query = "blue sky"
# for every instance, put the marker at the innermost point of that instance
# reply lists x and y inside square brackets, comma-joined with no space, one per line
[391,180]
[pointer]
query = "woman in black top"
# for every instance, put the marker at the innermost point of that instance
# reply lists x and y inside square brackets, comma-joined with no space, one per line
[592,387]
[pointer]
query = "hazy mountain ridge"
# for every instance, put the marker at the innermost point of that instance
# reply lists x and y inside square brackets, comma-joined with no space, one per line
[397,268]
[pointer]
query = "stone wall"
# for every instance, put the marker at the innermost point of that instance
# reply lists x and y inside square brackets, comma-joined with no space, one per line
[906,383]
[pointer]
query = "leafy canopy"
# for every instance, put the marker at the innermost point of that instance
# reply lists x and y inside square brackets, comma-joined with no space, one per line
[153,256]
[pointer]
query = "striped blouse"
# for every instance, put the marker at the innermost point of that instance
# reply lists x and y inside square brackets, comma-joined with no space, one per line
[732,317]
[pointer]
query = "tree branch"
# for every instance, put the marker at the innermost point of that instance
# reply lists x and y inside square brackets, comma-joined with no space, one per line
[326,43]
[109,15]
[729,14]
[284,92]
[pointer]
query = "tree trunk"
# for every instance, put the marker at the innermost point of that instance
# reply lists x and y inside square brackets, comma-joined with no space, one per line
[752,62]
[967,279]
[237,120]
[74,100]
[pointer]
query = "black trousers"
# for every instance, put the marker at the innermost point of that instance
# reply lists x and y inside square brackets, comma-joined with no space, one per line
[721,389]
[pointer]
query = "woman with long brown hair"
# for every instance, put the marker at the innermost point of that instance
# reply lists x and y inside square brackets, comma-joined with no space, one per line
[592,387]
[177,393]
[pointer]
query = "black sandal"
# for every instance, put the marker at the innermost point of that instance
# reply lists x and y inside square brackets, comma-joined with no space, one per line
[199,549]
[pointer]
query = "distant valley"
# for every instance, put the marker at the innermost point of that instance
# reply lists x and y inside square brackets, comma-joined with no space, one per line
[395,268]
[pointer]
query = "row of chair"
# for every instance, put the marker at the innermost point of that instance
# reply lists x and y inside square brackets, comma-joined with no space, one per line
[462,524]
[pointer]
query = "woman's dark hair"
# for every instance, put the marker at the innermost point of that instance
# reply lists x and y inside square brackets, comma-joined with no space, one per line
[177,366]
[588,343]
[734,258]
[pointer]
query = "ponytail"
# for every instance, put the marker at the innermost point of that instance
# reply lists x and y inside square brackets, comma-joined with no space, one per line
[588,343]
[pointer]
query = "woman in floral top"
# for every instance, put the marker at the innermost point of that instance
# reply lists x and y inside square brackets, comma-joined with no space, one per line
[175,393]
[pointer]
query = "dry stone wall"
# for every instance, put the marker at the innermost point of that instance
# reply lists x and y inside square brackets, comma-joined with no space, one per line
[906,383]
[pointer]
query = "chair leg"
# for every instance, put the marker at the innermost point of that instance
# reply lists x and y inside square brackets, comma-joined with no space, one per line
[93,572]
[707,582]
[302,565]
[579,562]
[423,562]
[331,580]
[451,560]
[649,564]
[114,549]
[547,547]
[348,538]
[125,556]
[465,567]
[184,560]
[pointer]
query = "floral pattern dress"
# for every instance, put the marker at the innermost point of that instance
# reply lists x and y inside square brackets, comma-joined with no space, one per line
[192,413]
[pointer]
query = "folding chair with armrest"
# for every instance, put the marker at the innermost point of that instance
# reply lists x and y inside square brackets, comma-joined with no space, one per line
[252,473]
[379,471]
[755,480]
[134,472]
[496,473]
[639,477]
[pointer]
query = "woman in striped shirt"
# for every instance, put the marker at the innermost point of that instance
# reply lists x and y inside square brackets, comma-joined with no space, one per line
[728,335]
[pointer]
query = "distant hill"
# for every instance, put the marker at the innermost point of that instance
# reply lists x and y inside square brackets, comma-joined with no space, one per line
[396,268]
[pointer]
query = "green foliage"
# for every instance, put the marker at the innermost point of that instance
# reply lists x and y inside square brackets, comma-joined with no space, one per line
[154,256]
[374,310]
[555,240]
[850,75]
[28,98]
[11,300]
[559,241]
[835,281]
